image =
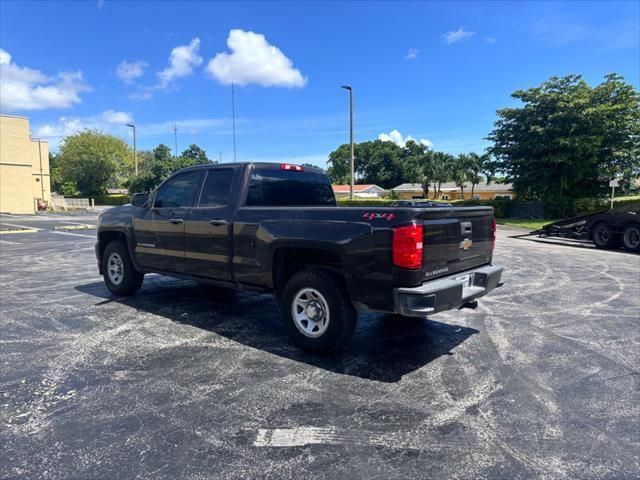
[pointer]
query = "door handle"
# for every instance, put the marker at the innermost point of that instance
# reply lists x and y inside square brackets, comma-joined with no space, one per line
[218,222]
[176,221]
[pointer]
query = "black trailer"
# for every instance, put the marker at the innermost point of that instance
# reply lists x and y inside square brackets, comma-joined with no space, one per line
[619,227]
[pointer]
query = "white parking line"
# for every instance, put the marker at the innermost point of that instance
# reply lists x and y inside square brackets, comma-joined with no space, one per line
[73,234]
[20,226]
[301,436]
[7,242]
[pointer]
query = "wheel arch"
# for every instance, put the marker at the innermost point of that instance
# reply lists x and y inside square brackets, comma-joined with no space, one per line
[105,237]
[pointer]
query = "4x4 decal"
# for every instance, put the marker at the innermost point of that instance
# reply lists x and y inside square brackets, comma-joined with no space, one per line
[374,216]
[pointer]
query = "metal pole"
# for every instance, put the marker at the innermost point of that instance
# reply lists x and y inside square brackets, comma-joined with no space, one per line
[351,141]
[233,119]
[175,134]
[41,176]
[135,156]
[220,156]
[348,87]
[613,189]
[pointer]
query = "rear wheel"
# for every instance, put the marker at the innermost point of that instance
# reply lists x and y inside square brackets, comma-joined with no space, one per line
[604,236]
[317,311]
[120,276]
[631,237]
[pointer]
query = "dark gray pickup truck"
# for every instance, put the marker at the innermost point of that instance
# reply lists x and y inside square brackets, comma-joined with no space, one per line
[276,227]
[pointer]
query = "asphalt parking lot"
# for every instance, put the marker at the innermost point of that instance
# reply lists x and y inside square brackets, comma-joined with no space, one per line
[183,381]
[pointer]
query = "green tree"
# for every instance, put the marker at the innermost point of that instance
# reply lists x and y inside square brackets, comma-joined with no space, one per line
[478,164]
[92,161]
[197,155]
[568,139]
[338,168]
[418,166]
[440,168]
[460,170]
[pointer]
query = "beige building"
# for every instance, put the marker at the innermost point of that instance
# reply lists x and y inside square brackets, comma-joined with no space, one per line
[24,167]
[450,191]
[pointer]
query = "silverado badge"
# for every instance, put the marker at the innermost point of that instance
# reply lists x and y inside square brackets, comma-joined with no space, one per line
[466,244]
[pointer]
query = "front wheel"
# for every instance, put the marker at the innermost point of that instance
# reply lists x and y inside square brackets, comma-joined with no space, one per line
[120,276]
[604,236]
[317,312]
[631,237]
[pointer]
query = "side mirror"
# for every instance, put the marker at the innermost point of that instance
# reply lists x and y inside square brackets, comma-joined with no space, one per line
[139,199]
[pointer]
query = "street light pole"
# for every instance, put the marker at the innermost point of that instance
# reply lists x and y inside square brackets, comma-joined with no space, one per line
[233,119]
[348,87]
[135,157]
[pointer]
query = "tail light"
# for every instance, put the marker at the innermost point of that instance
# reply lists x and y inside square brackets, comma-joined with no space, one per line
[407,246]
[291,167]
[493,244]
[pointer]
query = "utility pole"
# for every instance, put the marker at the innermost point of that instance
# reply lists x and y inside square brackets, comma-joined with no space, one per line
[135,157]
[220,156]
[348,87]
[175,135]
[233,119]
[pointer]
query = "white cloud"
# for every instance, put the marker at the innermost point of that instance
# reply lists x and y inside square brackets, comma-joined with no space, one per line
[459,35]
[253,60]
[182,61]
[109,121]
[490,40]
[396,137]
[111,116]
[23,88]
[5,58]
[127,72]
[412,54]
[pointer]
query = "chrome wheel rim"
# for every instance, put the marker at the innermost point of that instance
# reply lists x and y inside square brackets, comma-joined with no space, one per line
[632,237]
[310,312]
[115,269]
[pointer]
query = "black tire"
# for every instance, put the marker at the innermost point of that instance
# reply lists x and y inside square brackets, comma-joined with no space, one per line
[130,280]
[340,316]
[604,236]
[631,237]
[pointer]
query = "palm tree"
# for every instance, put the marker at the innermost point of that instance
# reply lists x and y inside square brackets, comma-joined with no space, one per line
[461,171]
[477,164]
[440,170]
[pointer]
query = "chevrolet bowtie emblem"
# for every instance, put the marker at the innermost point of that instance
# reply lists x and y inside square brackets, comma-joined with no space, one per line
[466,244]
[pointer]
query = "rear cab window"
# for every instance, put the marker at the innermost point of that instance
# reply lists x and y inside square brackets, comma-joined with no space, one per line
[276,187]
[216,188]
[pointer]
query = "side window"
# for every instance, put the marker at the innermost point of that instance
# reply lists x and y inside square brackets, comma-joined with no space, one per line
[179,191]
[217,186]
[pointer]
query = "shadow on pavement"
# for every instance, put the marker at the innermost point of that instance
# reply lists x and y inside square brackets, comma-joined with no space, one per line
[384,347]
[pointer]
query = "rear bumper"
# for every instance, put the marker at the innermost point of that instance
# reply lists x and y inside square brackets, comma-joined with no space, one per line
[446,293]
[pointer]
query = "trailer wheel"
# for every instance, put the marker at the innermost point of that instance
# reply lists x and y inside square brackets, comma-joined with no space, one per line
[631,237]
[604,236]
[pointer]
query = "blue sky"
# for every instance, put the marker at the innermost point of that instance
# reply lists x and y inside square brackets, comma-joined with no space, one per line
[433,71]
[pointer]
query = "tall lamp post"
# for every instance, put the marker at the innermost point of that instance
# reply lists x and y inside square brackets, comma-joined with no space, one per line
[348,87]
[135,158]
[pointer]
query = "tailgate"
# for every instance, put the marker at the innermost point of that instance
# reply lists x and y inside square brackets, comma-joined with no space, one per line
[457,240]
